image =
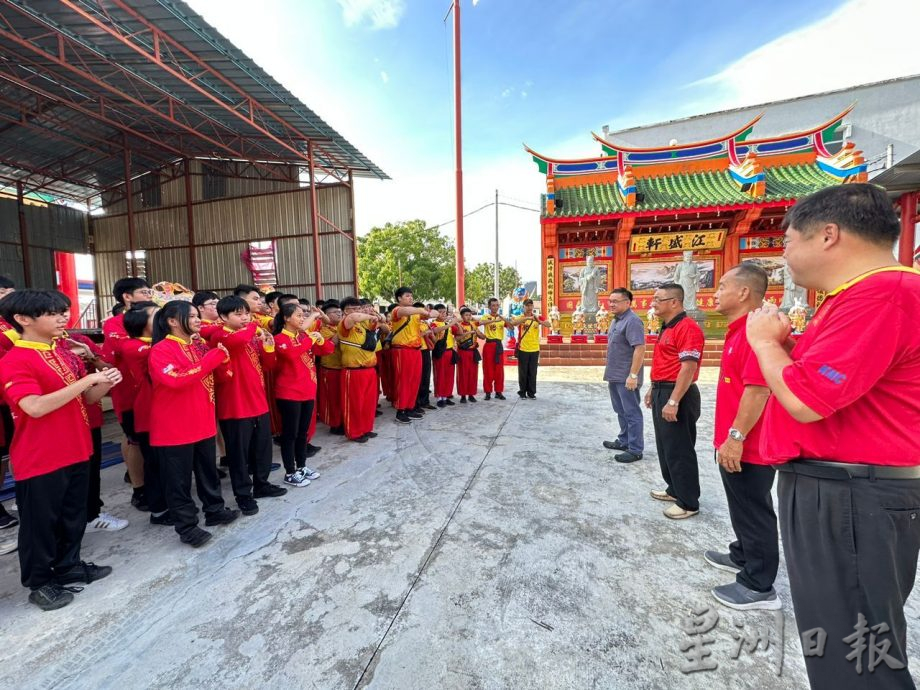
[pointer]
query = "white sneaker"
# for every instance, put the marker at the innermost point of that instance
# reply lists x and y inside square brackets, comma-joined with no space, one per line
[106,523]
[299,478]
[310,474]
[9,545]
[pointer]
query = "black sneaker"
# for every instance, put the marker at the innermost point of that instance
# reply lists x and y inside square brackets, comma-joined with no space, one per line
[337,431]
[402,418]
[463,399]
[196,537]
[531,396]
[247,504]
[269,491]
[165,520]
[489,396]
[6,520]
[83,572]
[139,501]
[370,434]
[313,450]
[449,402]
[51,596]
[442,403]
[614,445]
[626,457]
[499,396]
[224,516]
[472,398]
[274,466]
[418,410]
[360,439]
[522,395]
[412,414]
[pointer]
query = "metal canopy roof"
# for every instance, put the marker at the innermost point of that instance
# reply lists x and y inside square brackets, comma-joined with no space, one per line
[81,80]
[904,176]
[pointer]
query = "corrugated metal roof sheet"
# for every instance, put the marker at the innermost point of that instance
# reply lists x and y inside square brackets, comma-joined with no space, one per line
[75,75]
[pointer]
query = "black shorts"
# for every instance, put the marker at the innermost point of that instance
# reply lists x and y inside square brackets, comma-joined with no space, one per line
[127,425]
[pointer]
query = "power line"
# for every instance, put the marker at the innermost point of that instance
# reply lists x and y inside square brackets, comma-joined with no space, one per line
[483,208]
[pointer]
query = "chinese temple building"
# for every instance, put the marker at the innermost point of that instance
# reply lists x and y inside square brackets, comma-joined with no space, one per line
[636,210]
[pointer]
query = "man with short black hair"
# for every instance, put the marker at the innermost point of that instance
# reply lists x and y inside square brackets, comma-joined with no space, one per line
[675,402]
[842,421]
[528,349]
[623,374]
[741,394]
[405,351]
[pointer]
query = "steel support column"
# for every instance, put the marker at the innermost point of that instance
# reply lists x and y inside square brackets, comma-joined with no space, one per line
[354,229]
[23,237]
[129,202]
[190,223]
[314,225]
[908,203]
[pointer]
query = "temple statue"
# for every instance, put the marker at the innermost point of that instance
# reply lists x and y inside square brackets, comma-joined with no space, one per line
[687,275]
[588,281]
[603,320]
[554,318]
[578,320]
[792,293]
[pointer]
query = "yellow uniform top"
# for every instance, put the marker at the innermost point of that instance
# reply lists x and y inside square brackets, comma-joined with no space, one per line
[353,356]
[493,326]
[264,321]
[466,338]
[410,336]
[423,328]
[333,361]
[445,334]
[529,335]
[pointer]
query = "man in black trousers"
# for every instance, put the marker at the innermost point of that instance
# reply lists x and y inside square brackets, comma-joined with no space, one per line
[842,425]
[741,395]
[675,402]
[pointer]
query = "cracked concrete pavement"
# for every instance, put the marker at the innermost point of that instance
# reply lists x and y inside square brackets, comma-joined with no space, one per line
[491,545]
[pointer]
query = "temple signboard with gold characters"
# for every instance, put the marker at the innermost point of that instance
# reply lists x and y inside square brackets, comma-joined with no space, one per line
[637,210]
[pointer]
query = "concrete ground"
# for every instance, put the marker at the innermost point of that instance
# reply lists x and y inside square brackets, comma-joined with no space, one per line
[494,545]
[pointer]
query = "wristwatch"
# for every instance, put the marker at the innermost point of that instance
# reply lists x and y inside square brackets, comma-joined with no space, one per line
[735,434]
[633,376]
[672,403]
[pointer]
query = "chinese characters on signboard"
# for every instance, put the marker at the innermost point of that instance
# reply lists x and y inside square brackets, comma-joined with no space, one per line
[677,241]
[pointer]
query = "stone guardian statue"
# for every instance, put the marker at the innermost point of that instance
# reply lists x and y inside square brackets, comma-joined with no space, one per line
[687,275]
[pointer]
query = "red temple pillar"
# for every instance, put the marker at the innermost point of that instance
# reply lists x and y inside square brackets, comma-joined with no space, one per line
[908,203]
[550,248]
[621,253]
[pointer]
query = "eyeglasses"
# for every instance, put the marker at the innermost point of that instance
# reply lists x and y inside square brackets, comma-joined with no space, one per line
[617,301]
[662,299]
[212,303]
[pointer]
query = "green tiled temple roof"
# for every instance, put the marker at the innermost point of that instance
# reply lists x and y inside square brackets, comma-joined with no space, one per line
[688,191]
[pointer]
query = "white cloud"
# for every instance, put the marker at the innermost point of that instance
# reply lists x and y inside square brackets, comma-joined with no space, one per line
[523,94]
[475,2]
[507,92]
[384,77]
[863,41]
[380,14]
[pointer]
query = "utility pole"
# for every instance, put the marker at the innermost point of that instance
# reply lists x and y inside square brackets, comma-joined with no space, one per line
[496,276]
[458,137]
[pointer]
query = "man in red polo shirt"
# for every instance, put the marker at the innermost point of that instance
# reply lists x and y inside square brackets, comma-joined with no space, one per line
[675,402]
[843,421]
[742,393]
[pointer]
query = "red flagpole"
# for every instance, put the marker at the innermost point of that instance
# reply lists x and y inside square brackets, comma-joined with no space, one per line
[458,137]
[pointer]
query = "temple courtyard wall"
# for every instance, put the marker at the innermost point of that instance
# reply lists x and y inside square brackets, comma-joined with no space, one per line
[491,545]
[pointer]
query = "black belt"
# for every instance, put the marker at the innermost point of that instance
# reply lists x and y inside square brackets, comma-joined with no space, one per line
[826,469]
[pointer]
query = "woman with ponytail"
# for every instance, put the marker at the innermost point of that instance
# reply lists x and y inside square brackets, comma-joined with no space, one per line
[182,420]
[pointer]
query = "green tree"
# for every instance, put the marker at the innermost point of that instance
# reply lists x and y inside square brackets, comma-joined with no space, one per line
[480,282]
[407,253]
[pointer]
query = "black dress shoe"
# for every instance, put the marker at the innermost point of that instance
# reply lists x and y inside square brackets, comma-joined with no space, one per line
[360,439]
[463,399]
[472,398]
[531,396]
[224,516]
[83,572]
[499,396]
[441,403]
[412,414]
[269,491]
[626,456]
[429,406]
[370,434]
[488,396]
[195,537]
[614,445]
[313,450]
[522,395]
[449,402]
[165,520]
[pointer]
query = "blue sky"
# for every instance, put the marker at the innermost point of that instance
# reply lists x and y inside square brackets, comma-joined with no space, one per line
[542,72]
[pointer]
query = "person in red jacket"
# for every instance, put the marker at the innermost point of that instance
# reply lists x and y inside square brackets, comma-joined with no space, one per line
[295,387]
[126,292]
[242,407]
[183,420]
[51,446]
[135,354]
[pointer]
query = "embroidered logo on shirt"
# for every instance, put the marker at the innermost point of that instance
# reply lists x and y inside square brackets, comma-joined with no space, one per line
[168,368]
[832,374]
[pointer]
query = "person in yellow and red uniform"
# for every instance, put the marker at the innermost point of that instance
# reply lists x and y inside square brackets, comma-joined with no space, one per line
[841,429]
[466,335]
[358,344]
[442,356]
[493,361]
[51,448]
[528,349]
[406,355]
[329,396]
[423,400]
